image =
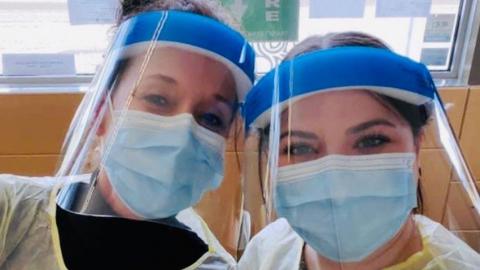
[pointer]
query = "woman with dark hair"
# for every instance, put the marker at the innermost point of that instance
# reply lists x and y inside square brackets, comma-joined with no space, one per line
[340,124]
[157,116]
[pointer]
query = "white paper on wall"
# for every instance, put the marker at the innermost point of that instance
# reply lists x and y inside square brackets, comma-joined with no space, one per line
[92,11]
[434,56]
[403,8]
[337,8]
[38,64]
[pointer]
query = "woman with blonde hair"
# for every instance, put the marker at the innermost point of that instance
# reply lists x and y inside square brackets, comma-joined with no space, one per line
[161,109]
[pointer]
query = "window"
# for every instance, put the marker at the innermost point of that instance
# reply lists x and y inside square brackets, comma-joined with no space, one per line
[431,31]
[428,33]
[43,28]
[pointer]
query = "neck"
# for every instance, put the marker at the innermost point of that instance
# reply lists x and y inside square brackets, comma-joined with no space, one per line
[406,242]
[93,199]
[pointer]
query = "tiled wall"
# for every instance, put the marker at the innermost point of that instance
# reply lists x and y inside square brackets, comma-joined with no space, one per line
[445,201]
[32,130]
[33,127]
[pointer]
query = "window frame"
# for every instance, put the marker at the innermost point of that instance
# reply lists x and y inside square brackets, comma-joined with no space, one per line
[466,11]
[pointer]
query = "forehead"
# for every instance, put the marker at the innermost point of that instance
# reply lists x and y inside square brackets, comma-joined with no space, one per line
[186,68]
[178,69]
[174,59]
[343,107]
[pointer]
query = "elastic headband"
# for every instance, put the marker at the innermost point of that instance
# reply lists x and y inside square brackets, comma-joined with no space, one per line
[342,68]
[194,32]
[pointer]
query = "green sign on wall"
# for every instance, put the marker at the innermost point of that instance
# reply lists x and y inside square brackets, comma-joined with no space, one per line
[266,20]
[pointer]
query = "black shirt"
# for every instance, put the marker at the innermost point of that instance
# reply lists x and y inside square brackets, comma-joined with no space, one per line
[93,242]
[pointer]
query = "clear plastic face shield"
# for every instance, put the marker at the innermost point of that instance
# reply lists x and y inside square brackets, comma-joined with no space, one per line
[340,134]
[149,137]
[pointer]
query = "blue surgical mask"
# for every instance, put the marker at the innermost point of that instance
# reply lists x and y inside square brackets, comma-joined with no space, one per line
[160,165]
[346,207]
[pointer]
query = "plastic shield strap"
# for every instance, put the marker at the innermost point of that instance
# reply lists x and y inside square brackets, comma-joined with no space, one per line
[148,140]
[261,166]
[345,132]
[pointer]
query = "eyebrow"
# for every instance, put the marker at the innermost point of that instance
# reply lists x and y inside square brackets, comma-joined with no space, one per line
[299,133]
[369,124]
[165,78]
[224,100]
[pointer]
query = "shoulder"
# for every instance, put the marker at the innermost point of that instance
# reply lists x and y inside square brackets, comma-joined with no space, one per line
[21,196]
[433,231]
[278,230]
[444,243]
[15,188]
[195,222]
[23,208]
[24,216]
[277,246]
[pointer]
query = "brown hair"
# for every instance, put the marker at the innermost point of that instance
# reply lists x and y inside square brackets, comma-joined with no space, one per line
[207,8]
[333,40]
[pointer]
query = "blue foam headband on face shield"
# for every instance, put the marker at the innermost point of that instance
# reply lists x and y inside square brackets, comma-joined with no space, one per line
[195,32]
[342,68]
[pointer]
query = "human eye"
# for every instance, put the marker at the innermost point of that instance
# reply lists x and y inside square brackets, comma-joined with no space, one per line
[299,149]
[156,100]
[213,122]
[371,142]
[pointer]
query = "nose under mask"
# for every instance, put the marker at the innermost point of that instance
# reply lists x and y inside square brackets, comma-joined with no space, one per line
[160,165]
[346,207]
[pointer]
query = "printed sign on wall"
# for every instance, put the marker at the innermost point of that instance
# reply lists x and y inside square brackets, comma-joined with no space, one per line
[38,64]
[266,20]
[439,28]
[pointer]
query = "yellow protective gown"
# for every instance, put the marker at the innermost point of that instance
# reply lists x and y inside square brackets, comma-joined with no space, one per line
[29,236]
[278,247]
